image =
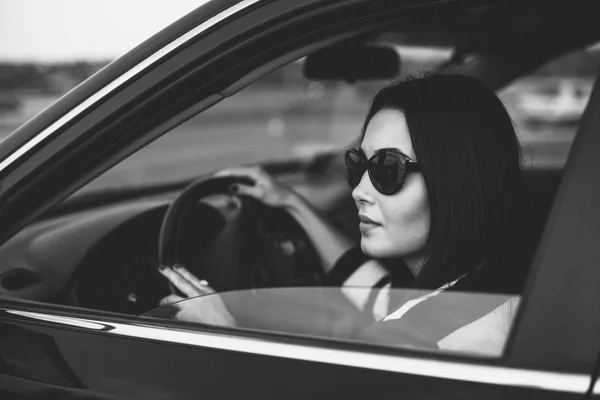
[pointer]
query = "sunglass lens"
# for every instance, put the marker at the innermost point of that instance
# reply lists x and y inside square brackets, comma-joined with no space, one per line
[355,168]
[387,171]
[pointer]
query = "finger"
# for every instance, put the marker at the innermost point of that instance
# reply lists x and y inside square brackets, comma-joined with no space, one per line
[243,190]
[253,173]
[170,299]
[199,284]
[180,282]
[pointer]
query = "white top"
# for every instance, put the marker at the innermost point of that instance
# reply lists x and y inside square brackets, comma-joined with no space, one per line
[486,335]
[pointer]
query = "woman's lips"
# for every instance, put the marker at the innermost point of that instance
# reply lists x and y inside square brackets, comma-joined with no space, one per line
[366,223]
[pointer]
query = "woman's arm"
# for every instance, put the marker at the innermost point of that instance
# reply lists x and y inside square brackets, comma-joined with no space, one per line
[329,242]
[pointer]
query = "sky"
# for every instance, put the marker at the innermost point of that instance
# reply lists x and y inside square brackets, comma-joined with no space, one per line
[72,30]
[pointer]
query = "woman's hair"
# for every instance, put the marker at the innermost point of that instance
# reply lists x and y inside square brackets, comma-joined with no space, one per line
[470,158]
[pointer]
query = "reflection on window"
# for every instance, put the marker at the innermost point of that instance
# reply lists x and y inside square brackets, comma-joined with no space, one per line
[450,321]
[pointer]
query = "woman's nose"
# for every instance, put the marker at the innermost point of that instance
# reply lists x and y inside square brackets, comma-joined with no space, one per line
[362,193]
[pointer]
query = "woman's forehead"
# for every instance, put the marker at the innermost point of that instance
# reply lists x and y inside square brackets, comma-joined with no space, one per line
[387,129]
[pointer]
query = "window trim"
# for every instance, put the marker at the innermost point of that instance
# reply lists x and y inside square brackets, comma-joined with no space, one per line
[420,366]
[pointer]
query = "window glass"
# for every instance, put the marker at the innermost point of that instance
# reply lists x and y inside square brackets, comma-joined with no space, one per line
[547,105]
[463,322]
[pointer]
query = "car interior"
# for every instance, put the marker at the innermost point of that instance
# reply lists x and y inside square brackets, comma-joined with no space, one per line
[100,247]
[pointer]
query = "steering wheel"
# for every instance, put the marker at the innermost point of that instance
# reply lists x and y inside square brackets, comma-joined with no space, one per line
[244,251]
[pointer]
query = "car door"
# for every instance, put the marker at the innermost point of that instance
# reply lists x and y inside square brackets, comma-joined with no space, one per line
[52,351]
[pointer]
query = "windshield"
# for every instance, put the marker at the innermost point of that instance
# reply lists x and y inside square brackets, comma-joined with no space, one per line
[281,118]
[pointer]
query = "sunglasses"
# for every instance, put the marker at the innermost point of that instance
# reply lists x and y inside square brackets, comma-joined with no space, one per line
[387,169]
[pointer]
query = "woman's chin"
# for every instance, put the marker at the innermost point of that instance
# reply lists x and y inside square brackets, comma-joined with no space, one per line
[371,248]
[379,248]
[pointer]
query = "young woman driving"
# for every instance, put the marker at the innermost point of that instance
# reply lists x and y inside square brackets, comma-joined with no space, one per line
[435,181]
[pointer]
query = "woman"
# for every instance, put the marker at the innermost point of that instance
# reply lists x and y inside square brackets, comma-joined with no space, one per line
[435,181]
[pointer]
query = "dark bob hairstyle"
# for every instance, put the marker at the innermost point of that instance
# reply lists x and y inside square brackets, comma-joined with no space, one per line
[470,158]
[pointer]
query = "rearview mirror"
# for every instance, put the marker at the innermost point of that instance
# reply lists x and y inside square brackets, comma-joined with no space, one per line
[352,62]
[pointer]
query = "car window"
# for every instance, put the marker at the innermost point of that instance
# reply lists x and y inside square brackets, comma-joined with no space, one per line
[106,258]
[547,106]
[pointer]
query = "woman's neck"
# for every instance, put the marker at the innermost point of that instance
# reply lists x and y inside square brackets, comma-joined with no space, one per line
[415,263]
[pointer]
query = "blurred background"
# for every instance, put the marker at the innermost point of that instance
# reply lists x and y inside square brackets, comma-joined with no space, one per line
[47,48]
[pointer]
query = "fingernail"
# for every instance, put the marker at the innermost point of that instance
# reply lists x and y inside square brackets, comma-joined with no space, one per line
[162,267]
[234,188]
[177,266]
[203,282]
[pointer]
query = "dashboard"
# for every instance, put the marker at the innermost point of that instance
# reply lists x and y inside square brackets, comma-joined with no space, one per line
[107,258]
[41,262]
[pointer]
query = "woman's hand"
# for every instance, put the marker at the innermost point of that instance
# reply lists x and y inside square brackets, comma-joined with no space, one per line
[266,188]
[211,310]
[329,242]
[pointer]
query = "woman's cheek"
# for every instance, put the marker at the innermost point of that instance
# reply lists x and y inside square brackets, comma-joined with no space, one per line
[407,218]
